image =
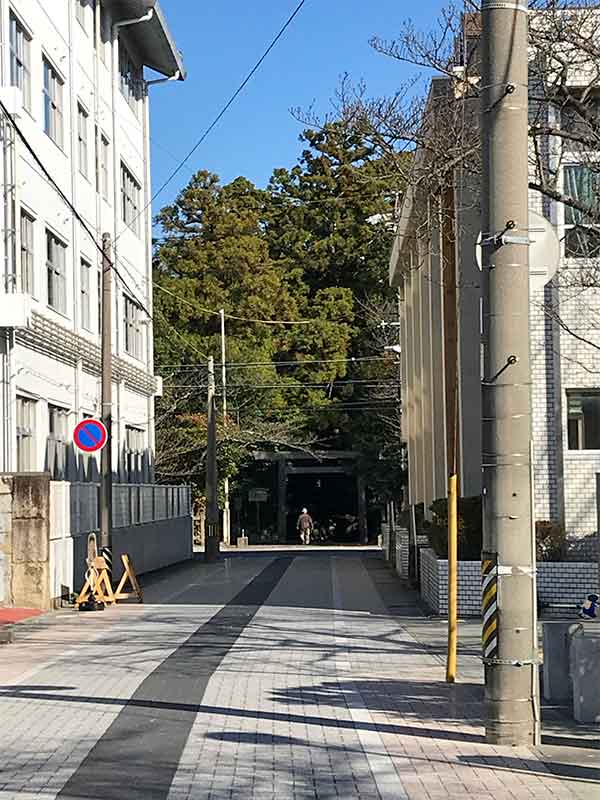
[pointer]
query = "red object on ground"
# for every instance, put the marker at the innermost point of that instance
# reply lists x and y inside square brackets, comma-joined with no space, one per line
[10,615]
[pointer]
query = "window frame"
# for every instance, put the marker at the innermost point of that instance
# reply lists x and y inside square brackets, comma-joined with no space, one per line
[102,163]
[60,437]
[131,192]
[576,422]
[26,433]
[131,77]
[82,139]
[134,452]
[56,272]
[133,334]
[20,58]
[85,269]
[27,252]
[53,97]
[574,221]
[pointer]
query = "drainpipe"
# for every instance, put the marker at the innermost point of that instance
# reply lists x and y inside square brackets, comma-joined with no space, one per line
[116,27]
[151,439]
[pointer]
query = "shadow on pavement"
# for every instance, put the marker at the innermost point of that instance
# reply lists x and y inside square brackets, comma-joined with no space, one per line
[576,772]
[421,731]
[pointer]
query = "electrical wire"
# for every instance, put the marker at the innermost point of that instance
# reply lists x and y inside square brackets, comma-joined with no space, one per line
[68,203]
[217,313]
[224,110]
[252,364]
[289,386]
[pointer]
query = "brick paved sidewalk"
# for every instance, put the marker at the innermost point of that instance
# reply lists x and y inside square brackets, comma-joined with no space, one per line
[274,677]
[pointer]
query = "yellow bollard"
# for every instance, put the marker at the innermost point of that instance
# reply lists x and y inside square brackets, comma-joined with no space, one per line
[452,579]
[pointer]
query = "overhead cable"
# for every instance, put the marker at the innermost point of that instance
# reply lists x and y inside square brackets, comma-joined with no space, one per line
[225,108]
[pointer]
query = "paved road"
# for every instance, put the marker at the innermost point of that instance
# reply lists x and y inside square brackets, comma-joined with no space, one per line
[290,675]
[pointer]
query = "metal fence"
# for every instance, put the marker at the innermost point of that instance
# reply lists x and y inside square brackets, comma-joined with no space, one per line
[133,504]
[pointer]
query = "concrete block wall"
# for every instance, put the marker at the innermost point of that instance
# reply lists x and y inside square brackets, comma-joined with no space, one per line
[24,540]
[403,550]
[565,582]
[434,584]
[5,539]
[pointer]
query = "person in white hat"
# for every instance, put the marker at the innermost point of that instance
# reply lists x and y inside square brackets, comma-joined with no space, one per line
[305,526]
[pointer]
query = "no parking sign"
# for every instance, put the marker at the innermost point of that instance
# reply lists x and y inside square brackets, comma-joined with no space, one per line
[90,435]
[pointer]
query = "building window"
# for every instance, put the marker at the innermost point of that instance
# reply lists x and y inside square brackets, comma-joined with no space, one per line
[134,453]
[133,328]
[82,139]
[20,74]
[583,420]
[582,238]
[53,103]
[130,200]
[25,434]
[27,263]
[57,441]
[84,294]
[55,265]
[102,155]
[131,77]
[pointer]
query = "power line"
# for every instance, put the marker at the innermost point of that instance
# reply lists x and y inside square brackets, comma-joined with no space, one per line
[215,312]
[300,363]
[68,203]
[224,110]
[289,202]
[289,386]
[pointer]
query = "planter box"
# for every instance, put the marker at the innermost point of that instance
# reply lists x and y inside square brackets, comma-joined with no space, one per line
[566,582]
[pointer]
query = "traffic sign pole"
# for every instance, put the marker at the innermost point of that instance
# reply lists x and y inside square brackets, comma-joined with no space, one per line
[106,459]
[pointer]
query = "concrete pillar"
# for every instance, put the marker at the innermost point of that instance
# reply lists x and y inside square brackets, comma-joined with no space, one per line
[282,499]
[362,508]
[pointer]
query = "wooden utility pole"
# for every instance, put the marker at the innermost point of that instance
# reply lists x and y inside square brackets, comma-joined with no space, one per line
[106,455]
[211,538]
[508,559]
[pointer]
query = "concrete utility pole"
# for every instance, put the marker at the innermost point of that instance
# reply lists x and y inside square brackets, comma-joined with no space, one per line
[508,558]
[226,509]
[106,455]
[211,538]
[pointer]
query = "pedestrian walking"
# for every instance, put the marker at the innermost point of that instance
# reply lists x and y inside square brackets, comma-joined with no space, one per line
[305,526]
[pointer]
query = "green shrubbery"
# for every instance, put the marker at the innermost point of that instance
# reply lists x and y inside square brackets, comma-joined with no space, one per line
[550,535]
[469,528]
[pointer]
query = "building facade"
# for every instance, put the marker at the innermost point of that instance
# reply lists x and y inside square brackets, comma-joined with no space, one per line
[74,88]
[435,265]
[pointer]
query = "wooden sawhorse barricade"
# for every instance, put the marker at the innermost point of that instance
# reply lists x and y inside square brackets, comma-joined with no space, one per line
[98,583]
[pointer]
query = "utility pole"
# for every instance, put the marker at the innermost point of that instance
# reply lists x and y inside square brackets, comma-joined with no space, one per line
[508,558]
[106,455]
[226,510]
[211,538]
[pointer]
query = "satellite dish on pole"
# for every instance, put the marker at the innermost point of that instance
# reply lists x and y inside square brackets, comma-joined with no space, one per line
[544,251]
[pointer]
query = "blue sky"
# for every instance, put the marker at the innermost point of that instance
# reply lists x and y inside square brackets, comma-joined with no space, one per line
[221,42]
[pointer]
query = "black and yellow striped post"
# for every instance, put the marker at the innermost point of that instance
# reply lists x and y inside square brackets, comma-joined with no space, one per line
[106,553]
[489,606]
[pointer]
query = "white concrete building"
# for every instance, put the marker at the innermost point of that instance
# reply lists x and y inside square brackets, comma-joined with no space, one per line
[434,264]
[74,78]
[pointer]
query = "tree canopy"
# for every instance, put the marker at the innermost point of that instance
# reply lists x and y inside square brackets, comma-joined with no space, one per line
[300,269]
